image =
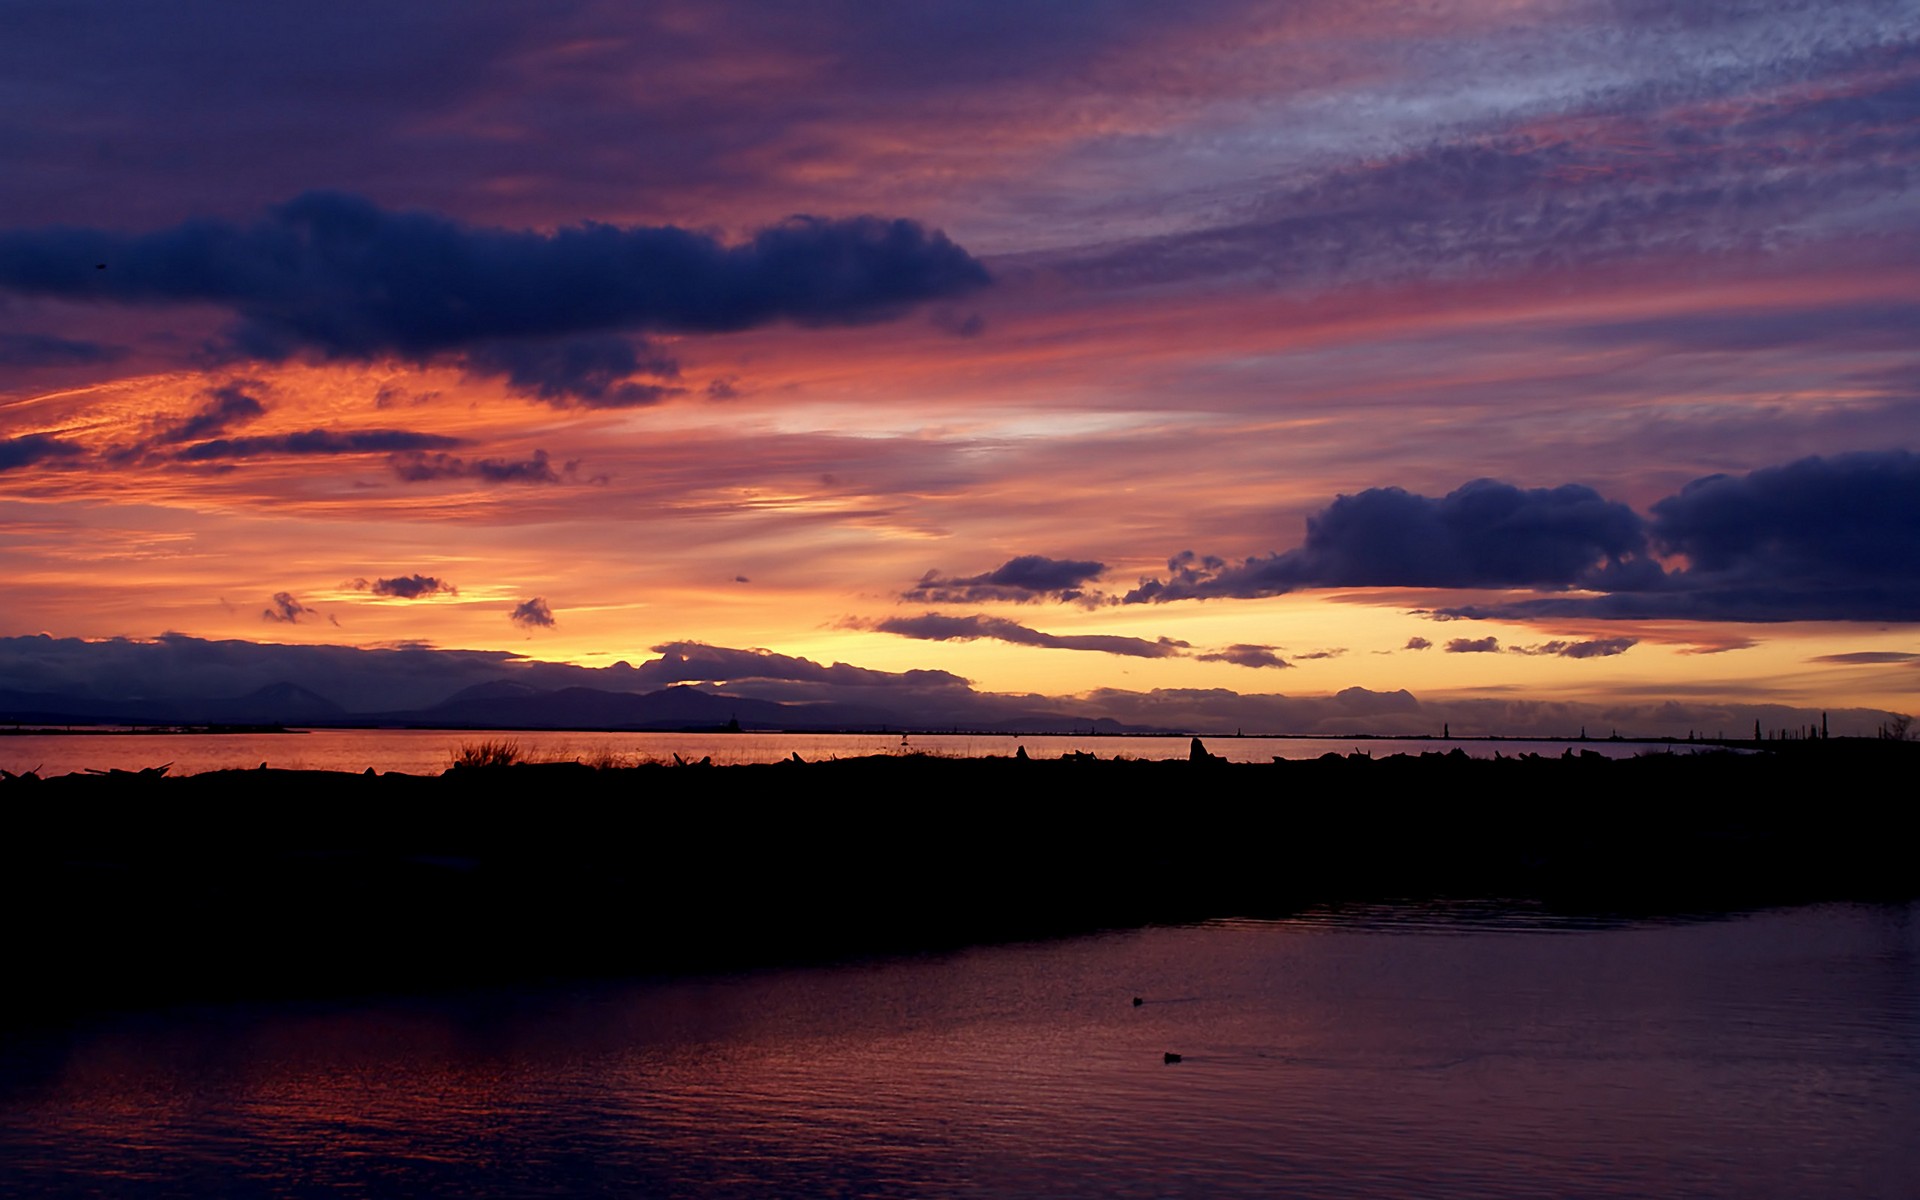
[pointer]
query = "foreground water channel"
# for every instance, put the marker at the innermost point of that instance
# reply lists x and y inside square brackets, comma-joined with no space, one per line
[1376,1052]
[429,751]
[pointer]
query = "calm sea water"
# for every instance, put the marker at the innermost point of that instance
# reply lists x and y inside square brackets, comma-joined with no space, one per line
[428,751]
[1374,1053]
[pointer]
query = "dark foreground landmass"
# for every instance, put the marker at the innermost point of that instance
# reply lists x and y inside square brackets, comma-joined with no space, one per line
[127,890]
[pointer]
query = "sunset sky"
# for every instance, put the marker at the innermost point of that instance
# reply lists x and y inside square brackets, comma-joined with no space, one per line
[1125,352]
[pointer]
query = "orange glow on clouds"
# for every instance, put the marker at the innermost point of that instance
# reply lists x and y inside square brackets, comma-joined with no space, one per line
[1245,261]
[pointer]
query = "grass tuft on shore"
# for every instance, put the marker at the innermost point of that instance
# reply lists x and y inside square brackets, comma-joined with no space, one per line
[490,753]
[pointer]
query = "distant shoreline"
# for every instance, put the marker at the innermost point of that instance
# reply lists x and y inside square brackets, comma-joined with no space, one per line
[203,730]
[143,730]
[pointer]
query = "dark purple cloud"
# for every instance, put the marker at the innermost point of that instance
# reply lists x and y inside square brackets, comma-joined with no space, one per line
[1418,643]
[585,372]
[224,408]
[1821,539]
[392,395]
[1030,577]
[227,406]
[1854,516]
[1595,648]
[418,467]
[1866,658]
[286,609]
[408,587]
[32,448]
[1245,655]
[1485,645]
[1834,539]
[316,442]
[936,627]
[336,277]
[1483,534]
[532,614]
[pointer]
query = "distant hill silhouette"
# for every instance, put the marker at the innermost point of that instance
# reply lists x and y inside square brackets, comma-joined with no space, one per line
[47,708]
[275,704]
[515,706]
[510,704]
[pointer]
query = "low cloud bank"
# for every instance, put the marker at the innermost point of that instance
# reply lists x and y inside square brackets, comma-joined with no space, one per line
[122,672]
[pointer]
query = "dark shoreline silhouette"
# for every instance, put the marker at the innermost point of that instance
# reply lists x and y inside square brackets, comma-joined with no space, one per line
[130,890]
[83,728]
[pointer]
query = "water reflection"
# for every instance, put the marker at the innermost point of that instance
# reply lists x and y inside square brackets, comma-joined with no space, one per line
[1765,1055]
[429,751]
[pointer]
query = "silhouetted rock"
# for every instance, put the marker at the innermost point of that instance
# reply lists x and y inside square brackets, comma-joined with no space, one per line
[1197,752]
